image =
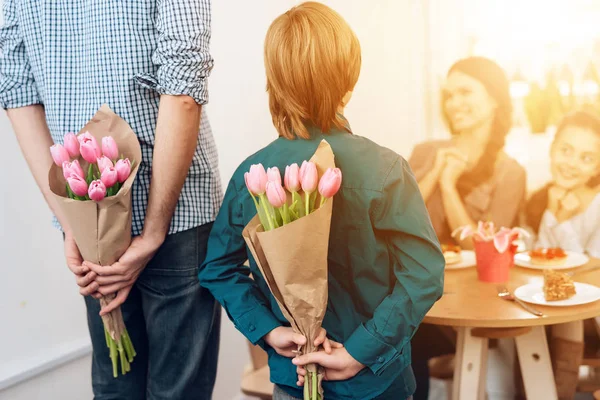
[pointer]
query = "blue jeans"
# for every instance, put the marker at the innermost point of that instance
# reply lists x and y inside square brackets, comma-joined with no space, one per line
[174,325]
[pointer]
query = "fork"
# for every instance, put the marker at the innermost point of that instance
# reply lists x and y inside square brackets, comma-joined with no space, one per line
[505,294]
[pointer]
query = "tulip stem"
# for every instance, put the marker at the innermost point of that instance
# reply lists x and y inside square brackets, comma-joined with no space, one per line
[307,205]
[323,200]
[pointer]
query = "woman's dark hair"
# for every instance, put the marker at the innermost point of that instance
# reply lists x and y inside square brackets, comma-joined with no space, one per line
[538,203]
[497,85]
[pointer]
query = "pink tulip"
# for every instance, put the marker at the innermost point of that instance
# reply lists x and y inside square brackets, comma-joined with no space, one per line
[72,168]
[123,168]
[90,151]
[309,177]
[72,144]
[502,240]
[77,184]
[109,147]
[330,182]
[256,179]
[59,154]
[273,175]
[292,178]
[275,194]
[103,163]
[109,176]
[97,190]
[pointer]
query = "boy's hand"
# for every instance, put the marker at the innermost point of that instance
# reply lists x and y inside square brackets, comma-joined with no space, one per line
[285,341]
[338,366]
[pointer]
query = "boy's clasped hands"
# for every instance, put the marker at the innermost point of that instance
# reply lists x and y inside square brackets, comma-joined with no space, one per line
[337,363]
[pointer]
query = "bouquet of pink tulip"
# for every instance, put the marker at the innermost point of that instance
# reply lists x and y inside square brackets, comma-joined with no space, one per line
[97,205]
[494,249]
[289,239]
[105,172]
[273,202]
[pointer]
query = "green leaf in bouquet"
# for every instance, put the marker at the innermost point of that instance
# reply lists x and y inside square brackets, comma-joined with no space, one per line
[293,211]
[69,192]
[298,205]
[313,199]
[264,212]
[90,174]
[278,216]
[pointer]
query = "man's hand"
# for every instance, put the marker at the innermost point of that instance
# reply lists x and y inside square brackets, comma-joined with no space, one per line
[285,341]
[339,365]
[121,276]
[83,276]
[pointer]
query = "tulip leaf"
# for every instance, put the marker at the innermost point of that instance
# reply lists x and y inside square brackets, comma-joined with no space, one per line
[69,192]
[90,174]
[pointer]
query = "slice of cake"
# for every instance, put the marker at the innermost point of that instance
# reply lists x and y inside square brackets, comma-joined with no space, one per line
[452,253]
[549,257]
[557,286]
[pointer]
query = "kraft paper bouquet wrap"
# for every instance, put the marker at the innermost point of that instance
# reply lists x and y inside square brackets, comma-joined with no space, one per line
[289,239]
[97,204]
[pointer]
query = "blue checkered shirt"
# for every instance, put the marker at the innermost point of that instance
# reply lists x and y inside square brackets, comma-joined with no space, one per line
[72,56]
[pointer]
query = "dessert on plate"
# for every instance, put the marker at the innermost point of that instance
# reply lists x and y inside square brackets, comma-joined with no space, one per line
[452,253]
[557,286]
[549,257]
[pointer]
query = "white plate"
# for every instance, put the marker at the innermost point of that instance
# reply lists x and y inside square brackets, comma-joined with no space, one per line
[534,293]
[468,260]
[573,260]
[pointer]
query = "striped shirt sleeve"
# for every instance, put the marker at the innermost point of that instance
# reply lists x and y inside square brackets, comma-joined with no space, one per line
[182,55]
[17,85]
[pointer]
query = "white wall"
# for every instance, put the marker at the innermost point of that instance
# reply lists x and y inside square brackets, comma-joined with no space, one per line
[43,317]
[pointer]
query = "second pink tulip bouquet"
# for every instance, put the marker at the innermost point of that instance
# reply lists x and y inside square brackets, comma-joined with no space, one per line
[91,179]
[289,239]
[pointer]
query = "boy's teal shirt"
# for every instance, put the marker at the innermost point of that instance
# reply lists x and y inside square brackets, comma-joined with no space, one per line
[386,267]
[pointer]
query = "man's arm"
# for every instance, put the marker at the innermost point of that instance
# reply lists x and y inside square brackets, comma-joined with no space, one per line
[19,96]
[176,140]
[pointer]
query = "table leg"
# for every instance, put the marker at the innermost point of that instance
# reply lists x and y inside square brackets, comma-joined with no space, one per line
[471,366]
[536,367]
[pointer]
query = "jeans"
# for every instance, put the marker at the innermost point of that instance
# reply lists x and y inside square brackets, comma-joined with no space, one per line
[174,325]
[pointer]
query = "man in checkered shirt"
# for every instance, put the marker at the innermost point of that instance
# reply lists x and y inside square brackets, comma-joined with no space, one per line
[149,61]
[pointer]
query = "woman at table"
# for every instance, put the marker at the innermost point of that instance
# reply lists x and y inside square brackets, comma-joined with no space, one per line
[566,213]
[469,177]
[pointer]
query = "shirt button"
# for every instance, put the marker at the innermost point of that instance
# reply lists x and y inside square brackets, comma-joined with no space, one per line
[251,328]
[379,359]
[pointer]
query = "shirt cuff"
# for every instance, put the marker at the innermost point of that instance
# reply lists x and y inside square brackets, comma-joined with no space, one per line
[197,90]
[370,351]
[19,96]
[256,323]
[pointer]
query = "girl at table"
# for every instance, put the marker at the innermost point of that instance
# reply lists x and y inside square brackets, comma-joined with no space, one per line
[469,177]
[566,213]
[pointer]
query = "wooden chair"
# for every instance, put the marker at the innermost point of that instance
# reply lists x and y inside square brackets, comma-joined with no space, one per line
[589,379]
[256,381]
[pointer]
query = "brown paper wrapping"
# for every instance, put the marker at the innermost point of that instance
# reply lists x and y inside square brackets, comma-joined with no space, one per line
[293,260]
[102,230]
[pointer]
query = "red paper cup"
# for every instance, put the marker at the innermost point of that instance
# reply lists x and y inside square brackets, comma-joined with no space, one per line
[492,266]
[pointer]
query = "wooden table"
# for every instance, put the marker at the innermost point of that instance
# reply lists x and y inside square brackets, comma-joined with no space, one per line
[470,305]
